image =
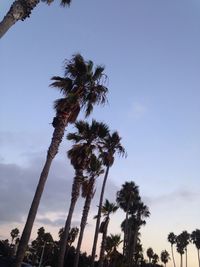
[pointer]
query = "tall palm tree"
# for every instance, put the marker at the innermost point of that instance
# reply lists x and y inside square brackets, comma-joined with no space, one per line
[107,209]
[20,10]
[180,246]
[93,171]
[172,240]
[82,88]
[110,145]
[164,257]
[195,237]
[127,197]
[85,141]
[139,212]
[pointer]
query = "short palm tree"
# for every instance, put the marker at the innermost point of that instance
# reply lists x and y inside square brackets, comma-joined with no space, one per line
[164,257]
[107,209]
[155,259]
[150,254]
[111,245]
[110,146]
[85,141]
[195,238]
[94,170]
[82,88]
[172,240]
[20,10]
[127,197]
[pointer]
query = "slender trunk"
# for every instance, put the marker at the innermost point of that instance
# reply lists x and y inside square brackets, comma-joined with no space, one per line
[74,197]
[19,10]
[185,257]
[198,256]
[103,245]
[52,151]
[173,255]
[98,218]
[133,246]
[84,221]
[181,263]
[126,232]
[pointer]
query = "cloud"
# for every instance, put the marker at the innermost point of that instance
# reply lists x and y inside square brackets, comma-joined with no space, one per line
[137,111]
[18,186]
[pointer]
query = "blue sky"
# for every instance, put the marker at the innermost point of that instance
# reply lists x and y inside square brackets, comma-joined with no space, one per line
[150,50]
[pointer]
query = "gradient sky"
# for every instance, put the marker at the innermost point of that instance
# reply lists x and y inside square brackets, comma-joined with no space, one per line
[150,49]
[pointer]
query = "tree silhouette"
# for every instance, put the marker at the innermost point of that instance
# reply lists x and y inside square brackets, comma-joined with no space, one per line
[195,238]
[172,240]
[82,88]
[20,10]
[164,257]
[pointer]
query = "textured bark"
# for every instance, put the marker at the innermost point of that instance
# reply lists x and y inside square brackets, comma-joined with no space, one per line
[84,221]
[52,151]
[98,218]
[19,10]
[75,194]
[125,233]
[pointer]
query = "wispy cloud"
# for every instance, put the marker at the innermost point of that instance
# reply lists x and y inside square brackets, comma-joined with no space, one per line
[137,110]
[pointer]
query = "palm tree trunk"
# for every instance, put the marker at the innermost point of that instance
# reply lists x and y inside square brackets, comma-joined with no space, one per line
[98,218]
[198,256]
[75,194]
[19,10]
[52,151]
[103,245]
[84,220]
[181,263]
[125,233]
[173,255]
[133,246]
[185,257]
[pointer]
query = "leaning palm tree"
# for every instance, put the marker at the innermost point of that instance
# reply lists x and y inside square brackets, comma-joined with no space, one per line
[93,171]
[107,209]
[20,10]
[85,141]
[110,145]
[127,197]
[172,240]
[82,88]
[195,238]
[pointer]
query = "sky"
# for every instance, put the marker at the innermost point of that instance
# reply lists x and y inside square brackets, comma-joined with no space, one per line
[150,50]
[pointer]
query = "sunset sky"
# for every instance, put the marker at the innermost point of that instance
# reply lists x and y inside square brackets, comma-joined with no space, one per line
[151,53]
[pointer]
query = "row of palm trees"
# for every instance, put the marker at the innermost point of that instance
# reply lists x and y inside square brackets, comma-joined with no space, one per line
[181,242]
[93,150]
[154,258]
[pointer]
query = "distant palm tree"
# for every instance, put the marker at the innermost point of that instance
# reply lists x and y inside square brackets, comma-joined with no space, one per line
[155,259]
[82,88]
[20,10]
[185,241]
[93,171]
[164,257]
[85,141]
[110,146]
[107,209]
[180,246]
[126,197]
[172,240]
[111,245]
[150,254]
[14,234]
[195,237]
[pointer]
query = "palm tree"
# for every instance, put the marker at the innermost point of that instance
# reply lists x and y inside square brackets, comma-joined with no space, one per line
[85,141]
[111,245]
[14,234]
[82,88]
[195,237]
[164,257]
[185,240]
[110,145]
[20,10]
[180,246]
[150,254]
[94,170]
[155,259]
[126,197]
[107,209]
[172,240]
